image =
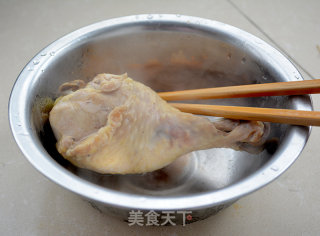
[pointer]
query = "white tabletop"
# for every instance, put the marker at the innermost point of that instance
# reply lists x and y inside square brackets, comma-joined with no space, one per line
[32,205]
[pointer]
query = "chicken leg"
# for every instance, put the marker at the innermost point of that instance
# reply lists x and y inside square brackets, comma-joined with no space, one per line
[117,125]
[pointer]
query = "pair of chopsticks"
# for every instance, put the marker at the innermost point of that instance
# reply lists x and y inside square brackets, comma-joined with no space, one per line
[294,117]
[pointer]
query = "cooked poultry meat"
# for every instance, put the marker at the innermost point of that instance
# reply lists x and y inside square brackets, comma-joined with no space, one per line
[117,125]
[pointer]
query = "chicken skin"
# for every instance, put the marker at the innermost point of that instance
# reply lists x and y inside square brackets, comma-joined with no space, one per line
[116,125]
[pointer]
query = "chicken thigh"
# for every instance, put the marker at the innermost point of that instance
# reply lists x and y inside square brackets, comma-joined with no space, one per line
[117,125]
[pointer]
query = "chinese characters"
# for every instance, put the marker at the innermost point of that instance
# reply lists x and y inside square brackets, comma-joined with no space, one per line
[153,218]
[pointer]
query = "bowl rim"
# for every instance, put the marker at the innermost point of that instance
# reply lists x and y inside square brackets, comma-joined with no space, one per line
[26,139]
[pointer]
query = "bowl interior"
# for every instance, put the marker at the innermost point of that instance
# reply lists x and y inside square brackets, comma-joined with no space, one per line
[166,57]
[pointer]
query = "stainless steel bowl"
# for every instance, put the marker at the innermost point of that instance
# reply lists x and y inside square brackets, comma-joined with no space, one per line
[166,52]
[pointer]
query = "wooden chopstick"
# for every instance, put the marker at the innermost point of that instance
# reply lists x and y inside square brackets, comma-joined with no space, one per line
[294,117]
[252,90]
